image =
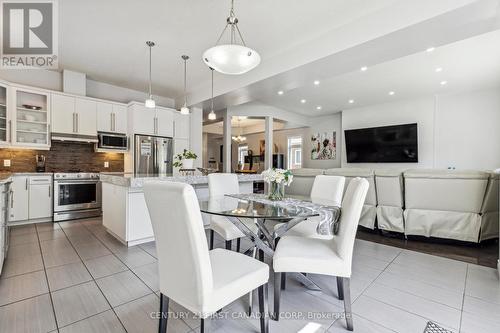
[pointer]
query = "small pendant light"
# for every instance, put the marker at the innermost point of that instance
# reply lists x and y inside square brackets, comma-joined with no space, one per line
[185,109]
[211,115]
[150,102]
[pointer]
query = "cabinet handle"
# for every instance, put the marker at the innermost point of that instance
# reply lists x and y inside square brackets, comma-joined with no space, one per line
[77,122]
[111,122]
[74,126]
[114,122]
[49,191]
[26,184]
[173,129]
[11,199]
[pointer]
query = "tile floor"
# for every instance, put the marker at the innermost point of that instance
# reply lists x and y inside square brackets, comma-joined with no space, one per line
[74,277]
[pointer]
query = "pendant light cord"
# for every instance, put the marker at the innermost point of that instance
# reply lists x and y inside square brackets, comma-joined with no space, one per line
[212,100]
[185,75]
[150,94]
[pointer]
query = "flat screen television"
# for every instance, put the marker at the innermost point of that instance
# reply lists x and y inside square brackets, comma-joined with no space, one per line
[388,144]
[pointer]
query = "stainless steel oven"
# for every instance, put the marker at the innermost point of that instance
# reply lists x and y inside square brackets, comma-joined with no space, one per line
[76,195]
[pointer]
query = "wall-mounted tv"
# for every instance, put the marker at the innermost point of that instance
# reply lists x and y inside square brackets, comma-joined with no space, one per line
[388,144]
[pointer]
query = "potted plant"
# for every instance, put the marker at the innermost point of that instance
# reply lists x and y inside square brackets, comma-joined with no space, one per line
[185,159]
[277,180]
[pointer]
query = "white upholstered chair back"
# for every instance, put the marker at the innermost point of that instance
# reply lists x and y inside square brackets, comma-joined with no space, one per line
[223,183]
[330,188]
[352,204]
[183,258]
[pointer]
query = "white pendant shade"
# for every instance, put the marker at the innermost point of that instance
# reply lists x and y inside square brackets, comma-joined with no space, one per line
[185,110]
[150,103]
[231,58]
[211,115]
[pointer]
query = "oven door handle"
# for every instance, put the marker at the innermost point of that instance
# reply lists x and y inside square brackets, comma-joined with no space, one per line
[75,182]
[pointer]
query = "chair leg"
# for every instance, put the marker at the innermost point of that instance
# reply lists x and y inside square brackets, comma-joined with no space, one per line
[340,290]
[211,239]
[283,281]
[238,244]
[205,325]
[162,327]
[346,286]
[263,308]
[229,245]
[277,295]
[250,294]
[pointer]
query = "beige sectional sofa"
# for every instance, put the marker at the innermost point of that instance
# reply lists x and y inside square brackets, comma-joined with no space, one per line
[453,204]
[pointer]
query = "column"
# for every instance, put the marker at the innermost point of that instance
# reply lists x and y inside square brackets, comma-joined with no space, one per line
[226,141]
[268,136]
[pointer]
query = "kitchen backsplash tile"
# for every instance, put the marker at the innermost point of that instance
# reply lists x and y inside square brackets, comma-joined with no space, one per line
[62,157]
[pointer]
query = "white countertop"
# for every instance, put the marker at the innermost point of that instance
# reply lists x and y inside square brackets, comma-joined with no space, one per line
[136,182]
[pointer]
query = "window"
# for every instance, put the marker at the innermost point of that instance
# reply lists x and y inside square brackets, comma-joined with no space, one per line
[242,152]
[294,152]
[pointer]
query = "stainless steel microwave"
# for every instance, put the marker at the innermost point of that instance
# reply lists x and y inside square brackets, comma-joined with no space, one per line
[112,141]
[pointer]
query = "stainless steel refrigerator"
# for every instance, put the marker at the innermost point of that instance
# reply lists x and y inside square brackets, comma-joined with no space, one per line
[153,155]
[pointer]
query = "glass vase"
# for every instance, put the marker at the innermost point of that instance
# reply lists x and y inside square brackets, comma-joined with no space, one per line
[276,191]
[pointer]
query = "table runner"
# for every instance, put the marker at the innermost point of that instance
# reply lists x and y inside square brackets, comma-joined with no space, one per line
[329,221]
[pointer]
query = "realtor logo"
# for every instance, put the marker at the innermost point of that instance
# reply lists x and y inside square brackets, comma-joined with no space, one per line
[29,34]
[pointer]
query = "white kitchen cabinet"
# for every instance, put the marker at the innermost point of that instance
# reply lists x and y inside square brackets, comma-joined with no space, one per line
[74,115]
[181,125]
[104,117]
[120,118]
[164,122]
[111,118]
[4,116]
[40,197]
[86,113]
[63,114]
[141,120]
[19,204]
[30,118]
[31,199]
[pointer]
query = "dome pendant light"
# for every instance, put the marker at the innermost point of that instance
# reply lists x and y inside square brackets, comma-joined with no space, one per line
[211,115]
[233,58]
[150,102]
[185,109]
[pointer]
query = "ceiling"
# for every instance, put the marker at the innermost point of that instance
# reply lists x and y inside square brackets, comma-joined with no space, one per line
[106,39]
[465,65]
[370,41]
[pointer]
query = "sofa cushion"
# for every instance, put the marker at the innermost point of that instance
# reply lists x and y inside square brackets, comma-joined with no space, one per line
[446,174]
[350,172]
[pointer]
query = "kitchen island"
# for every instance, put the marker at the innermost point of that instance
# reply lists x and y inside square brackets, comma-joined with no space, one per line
[124,211]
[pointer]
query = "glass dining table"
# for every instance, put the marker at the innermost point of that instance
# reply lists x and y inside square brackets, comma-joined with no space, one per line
[244,209]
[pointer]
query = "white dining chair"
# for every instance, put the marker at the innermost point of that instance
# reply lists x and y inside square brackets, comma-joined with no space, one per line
[200,280]
[221,184]
[325,190]
[331,257]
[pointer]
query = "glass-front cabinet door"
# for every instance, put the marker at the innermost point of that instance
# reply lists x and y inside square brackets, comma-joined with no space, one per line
[3,114]
[32,118]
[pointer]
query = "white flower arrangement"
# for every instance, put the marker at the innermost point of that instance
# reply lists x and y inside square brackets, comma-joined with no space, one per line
[279,176]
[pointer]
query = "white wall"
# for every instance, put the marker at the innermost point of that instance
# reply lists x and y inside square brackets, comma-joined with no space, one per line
[468,130]
[419,111]
[53,80]
[460,130]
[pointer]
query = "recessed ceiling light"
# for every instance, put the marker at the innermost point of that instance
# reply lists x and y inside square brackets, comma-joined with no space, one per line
[439,69]
[280,92]
[316,82]
[303,101]
[391,93]
[318,107]
[430,49]
[351,101]
[443,83]
[364,69]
